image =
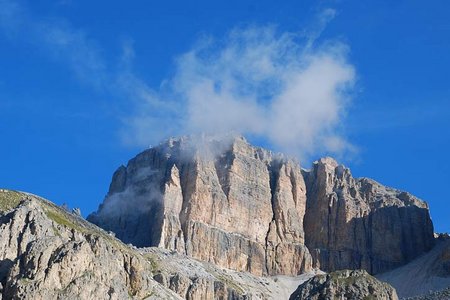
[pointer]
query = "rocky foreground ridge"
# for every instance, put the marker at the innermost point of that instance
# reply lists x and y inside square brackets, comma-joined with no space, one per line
[248,209]
[50,253]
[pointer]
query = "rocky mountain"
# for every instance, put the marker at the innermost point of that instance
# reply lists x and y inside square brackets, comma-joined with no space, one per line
[346,284]
[357,223]
[50,253]
[203,218]
[47,253]
[247,209]
[225,202]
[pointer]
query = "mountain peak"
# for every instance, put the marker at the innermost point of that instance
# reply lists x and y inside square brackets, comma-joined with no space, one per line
[203,195]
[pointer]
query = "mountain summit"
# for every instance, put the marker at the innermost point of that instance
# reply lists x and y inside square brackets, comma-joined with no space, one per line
[245,208]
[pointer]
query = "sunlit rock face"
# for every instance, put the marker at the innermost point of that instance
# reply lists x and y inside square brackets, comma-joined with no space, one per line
[357,223]
[222,201]
[248,209]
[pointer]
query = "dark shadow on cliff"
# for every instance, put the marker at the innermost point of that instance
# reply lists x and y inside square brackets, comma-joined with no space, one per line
[385,239]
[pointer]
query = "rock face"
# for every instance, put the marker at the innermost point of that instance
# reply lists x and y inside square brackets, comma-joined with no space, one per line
[245,208]
[346,284]
[224,202]
[359,224]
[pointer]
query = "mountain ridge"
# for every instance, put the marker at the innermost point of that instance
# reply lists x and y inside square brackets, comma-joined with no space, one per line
[229,221]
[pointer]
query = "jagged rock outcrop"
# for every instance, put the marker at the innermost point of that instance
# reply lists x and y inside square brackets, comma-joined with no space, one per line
[356,223]
[49,253]
[221,201]
[346,284]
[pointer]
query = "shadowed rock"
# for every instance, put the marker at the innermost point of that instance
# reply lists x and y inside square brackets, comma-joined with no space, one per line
[428,272]
[346,284]
[357,223]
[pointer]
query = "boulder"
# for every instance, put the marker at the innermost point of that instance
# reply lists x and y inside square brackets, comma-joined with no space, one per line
[344,284]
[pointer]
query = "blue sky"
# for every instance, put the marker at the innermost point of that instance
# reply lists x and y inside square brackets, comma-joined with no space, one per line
[86,85]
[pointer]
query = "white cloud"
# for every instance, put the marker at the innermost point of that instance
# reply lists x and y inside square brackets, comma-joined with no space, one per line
[256,81]
[282,87]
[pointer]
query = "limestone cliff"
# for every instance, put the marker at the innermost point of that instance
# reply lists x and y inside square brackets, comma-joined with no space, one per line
[245,208]
[355,223]
[221,201]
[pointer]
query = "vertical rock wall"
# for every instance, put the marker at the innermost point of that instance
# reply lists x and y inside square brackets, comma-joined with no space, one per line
[360,224]
[225,202]
[245,208]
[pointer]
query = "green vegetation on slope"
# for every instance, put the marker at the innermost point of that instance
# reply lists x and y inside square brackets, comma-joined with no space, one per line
[9,199]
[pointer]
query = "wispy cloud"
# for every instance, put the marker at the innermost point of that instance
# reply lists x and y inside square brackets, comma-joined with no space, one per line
[59,39]
[257,81]
[318,25]
[283,87]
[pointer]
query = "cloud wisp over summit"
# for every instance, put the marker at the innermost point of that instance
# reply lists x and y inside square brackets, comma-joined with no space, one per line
[285,88]
[259,82]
